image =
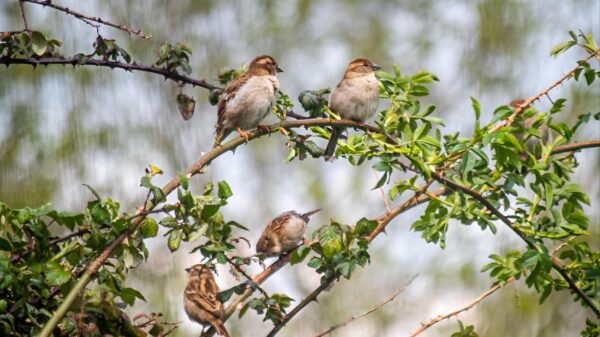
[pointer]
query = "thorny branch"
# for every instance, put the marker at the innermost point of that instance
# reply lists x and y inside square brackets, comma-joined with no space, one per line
[87,19]
[529,101]
[76,61]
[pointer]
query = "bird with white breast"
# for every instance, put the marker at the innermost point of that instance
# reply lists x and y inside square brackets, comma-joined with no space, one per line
[248,99]
[356,98]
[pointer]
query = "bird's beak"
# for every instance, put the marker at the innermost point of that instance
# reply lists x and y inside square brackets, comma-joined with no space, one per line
[375,66]
[188,269]
[279,70]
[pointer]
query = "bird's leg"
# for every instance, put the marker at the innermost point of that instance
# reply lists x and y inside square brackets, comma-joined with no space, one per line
[263,128]
[244,134]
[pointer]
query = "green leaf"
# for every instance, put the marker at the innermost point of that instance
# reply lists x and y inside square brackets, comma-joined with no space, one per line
[149,228]
[145,181]
[501,113]
[174,240]
[56,275]
[226,294]
[299,254]
[99,214]
[589,75]
[562,47]
[468,162]
[184,181]
[530,258]
[224,190]
[364,227]
[382,167]
[5,245]
[476,107]
[158,194]
[346,268]
[197,234]
[93,191]
[331,247]
[39,45]
[67,219]
[168,221]
[128,295]
[315,263]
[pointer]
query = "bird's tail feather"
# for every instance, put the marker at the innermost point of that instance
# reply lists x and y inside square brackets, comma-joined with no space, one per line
[329,154]
[308,214]
[221,330]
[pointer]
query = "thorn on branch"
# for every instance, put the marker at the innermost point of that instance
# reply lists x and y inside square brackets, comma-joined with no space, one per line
[86,18]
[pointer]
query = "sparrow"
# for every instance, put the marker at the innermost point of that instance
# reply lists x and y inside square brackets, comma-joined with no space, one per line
[283,233]
[356,97]
[200,299]
[248,99]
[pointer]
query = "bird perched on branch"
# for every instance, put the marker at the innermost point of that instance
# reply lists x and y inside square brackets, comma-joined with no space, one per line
[248,99]
[356,97]
[283,233]
[200,299]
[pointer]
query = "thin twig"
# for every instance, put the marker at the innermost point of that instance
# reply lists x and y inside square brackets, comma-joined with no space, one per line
[86,18]
[575,146]
[23,15]
[383,196]
[74,61]
[425,326]
[377,307]
[529,101]
[248,277]
[53,242]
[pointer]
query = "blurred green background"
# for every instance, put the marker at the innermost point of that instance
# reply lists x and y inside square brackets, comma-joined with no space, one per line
[62,127]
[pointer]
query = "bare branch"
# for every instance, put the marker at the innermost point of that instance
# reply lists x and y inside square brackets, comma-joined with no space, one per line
[425,326]
[575,146]
[74,61]
[377,307]
[86,18]
[23,15]
[383,196]
[529,101]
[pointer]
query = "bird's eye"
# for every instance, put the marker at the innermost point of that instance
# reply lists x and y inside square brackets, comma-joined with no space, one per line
[365,64]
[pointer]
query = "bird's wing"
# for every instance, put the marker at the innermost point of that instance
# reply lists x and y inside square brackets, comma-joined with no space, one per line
[265,242]
[204,296]
[228,94]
